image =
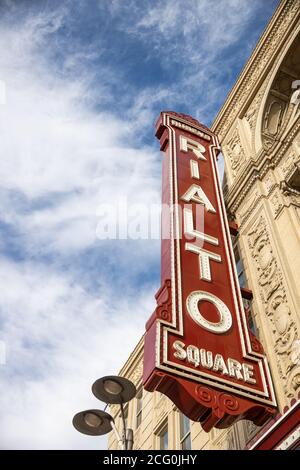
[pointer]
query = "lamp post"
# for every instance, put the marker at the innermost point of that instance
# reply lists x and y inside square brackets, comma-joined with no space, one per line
[113,390]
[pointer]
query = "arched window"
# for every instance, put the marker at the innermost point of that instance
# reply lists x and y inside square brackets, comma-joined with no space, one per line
[280,109]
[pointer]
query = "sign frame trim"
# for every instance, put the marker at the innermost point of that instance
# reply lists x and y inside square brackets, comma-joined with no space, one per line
[172,327]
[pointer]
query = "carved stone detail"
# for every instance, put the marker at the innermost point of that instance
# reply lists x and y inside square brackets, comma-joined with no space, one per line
[235,151]
[252,112]
[269,182]
[280,110]
[245,180]
[287,163]
[289,168]
[277,204]
[222,442]
[292,196]
[257,66]
[250,429]
[295,352]
[137,374]
[249,206]
[273,294]
[273,121]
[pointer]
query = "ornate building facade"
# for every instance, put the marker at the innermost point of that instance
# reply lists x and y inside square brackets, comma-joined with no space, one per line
[259,131]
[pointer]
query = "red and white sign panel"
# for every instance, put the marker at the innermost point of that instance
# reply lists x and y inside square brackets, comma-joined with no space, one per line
[198,348]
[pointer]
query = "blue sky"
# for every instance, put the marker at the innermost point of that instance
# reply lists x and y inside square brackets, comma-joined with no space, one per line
[82,85]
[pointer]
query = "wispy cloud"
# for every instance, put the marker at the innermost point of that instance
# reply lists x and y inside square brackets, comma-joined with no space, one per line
[201,45]
[59,338]
[60,159]
[83,85]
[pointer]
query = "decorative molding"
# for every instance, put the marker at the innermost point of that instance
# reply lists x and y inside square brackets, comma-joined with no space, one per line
[249,207]
[292,196]
[222,442]
[235,151]
[251,115]
[256,66]
[250,429]
[276,204]
[269,182]
[287,164]
[273,295]
[289,441]
[279,195]
[256,170]
[137,374]
[270,436]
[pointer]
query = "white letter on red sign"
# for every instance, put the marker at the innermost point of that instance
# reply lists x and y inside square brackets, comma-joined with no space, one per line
[190,144]
[225,322]
[195,193]
[194,167]
[192,232]
[204,257]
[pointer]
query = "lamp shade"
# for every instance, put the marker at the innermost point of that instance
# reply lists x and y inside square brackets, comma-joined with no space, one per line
[93,422]
[113,389]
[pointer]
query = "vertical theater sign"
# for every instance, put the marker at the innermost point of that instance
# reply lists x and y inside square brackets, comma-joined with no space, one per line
[198,349]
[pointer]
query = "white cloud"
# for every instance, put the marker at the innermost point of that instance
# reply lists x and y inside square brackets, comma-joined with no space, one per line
[186,31]
[59,339]
[191,40]
[59,161]
[62,156]
[54,147]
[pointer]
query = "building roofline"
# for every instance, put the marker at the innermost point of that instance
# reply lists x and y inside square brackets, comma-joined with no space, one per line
[134,356]
[244,72]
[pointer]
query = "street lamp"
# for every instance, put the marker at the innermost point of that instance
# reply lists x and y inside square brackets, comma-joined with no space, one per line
[111,390]
[93,422]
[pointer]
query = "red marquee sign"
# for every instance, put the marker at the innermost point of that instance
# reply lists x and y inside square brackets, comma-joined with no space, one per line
[198,348]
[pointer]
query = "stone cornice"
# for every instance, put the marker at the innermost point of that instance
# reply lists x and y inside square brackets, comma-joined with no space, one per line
[253,171]
[258,65]
[134,359]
